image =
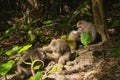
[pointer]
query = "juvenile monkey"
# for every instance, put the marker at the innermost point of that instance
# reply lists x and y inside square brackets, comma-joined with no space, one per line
[84,26]
[60,50]
[27,56]
[73,40]
[36,54]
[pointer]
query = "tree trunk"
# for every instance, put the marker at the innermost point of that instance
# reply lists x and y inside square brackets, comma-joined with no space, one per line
[99,20]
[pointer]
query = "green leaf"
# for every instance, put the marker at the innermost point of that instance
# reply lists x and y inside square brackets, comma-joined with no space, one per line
[86,38]
[24,48]
[2,51]
[35,21]
[26,27]
[37,67]
[38,75]
[5,67]
[32,78]
[115,23]
[14,49]
[8,32]
[32,37]
[48,22]
[64,37]
[115,52]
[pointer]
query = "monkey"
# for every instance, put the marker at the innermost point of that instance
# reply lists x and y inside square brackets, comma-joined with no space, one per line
[84,26]
[35,54]
[73,40]
[25,58]
[60,50]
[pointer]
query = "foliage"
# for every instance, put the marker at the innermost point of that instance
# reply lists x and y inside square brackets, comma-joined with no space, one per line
[37,67]
[26,27]
[82,12]
[113,23]
[7,33]
[85,9]
[86,38]
[117,5]
[18,49]
[35,21]
[5,67]
[2,51]
[48,22]
[31,36]
[32,78]
[13,50]
[64,37]
[24,48]
[115,52]
[37,76]
[64,28]
[41,36]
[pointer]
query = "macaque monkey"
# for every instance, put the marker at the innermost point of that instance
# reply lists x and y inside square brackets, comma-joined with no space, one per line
[36,54]
[27,56]
[73,40]
[84,26]
[60,50]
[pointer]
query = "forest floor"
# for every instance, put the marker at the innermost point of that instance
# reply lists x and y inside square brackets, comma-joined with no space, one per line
[94,64]
[98,65]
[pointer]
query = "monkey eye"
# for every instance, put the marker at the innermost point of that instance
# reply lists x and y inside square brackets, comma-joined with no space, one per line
[79,26]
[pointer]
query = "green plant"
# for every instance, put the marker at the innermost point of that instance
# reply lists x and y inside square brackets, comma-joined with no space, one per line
[2,51]
[5,67]
[26,27]
[26,47]
[18,49]
[86,38]
[13,50]
[114,52]
[64,37]
[38,74]
[7,33]
[48,22]
[113,23]
[31,36]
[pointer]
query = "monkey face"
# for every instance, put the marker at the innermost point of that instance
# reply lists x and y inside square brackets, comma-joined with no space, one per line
[53,45]
[81,26]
